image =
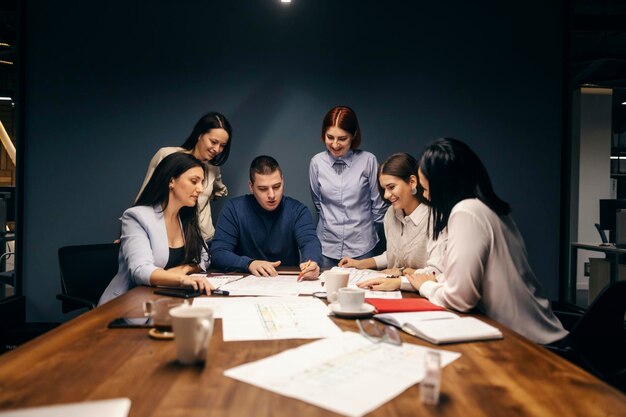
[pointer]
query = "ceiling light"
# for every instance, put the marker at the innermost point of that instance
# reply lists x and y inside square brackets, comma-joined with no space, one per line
[285,1]
[6,99]
[624,103]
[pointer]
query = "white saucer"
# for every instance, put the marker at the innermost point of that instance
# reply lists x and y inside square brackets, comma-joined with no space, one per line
[367,310]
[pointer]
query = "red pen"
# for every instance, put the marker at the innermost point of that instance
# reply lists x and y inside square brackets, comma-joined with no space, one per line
[303,269]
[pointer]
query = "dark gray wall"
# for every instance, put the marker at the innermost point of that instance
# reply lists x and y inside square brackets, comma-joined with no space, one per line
[108,85]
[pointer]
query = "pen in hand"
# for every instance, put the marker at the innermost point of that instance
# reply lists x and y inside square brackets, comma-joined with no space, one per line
[301,274]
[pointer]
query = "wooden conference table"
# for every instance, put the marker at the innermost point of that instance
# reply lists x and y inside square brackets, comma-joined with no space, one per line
[84,360]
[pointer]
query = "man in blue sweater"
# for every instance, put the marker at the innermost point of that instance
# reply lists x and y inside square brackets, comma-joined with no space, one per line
[258,232]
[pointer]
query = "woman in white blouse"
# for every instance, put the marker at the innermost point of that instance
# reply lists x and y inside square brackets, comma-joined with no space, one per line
[406,222]
[209,142]
[485,263]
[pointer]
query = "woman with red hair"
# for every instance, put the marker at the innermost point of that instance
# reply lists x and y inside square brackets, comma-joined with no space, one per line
[344,189]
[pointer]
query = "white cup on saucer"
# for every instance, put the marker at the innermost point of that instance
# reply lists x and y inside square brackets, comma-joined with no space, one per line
[334,281]
[351,299]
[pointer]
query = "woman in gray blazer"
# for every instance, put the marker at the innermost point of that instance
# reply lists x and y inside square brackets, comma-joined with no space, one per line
[161,241]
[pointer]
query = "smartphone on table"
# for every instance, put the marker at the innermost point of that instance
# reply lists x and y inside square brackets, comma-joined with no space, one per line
[180,292]
[131,323]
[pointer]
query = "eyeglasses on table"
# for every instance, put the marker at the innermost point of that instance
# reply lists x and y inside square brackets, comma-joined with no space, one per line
[378,332]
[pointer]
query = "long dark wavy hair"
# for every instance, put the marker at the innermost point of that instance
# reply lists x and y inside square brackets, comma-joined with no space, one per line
[157,192]
[211,120]
[454,173]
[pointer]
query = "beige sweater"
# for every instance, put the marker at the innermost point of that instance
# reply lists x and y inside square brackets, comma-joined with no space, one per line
[407,238]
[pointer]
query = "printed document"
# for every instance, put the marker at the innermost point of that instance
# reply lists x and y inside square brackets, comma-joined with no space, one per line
[346,373]
[266,318]
[280,286]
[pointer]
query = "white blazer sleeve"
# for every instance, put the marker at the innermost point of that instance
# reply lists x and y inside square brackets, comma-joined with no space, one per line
[136,248]
[467,252]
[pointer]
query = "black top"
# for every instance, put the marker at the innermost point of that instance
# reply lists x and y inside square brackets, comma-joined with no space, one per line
[176,257]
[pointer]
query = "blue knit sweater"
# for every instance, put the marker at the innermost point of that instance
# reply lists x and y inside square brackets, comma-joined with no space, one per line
[246,232]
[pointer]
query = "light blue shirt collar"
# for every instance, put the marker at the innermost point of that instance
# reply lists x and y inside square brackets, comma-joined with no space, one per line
[347,158]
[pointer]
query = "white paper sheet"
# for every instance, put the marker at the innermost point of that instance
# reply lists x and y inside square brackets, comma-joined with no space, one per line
[358,275]
[218,280]
[216,303]
[266,318]
[346,373]
[280,286]
[116,407]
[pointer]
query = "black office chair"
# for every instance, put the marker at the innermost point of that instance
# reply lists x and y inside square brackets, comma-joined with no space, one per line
[602,234]
[86,271]
[568,314]
[597,342]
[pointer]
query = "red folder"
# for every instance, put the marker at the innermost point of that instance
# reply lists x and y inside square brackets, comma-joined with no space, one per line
[396,305]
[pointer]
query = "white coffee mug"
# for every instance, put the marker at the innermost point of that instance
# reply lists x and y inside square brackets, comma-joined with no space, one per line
[193,327]
[351,299]
[333,282]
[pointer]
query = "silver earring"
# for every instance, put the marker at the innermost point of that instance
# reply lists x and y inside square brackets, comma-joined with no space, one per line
[414,191]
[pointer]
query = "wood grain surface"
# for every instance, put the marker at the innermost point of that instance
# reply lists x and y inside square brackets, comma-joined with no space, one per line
[84,360]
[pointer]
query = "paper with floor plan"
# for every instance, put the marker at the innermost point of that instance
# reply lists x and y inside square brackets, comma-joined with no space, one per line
[218,280]
[346,373]
[216,303]
[280,286]
[358,275]
[267,318]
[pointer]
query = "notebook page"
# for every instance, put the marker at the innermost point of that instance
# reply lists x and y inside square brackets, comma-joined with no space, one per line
[463,329]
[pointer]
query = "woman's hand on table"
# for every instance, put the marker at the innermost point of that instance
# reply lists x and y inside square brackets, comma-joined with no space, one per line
[351,263]
[417,280]
[197,283]
[381,284]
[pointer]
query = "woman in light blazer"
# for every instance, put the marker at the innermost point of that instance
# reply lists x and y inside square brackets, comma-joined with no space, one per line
[161,242]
